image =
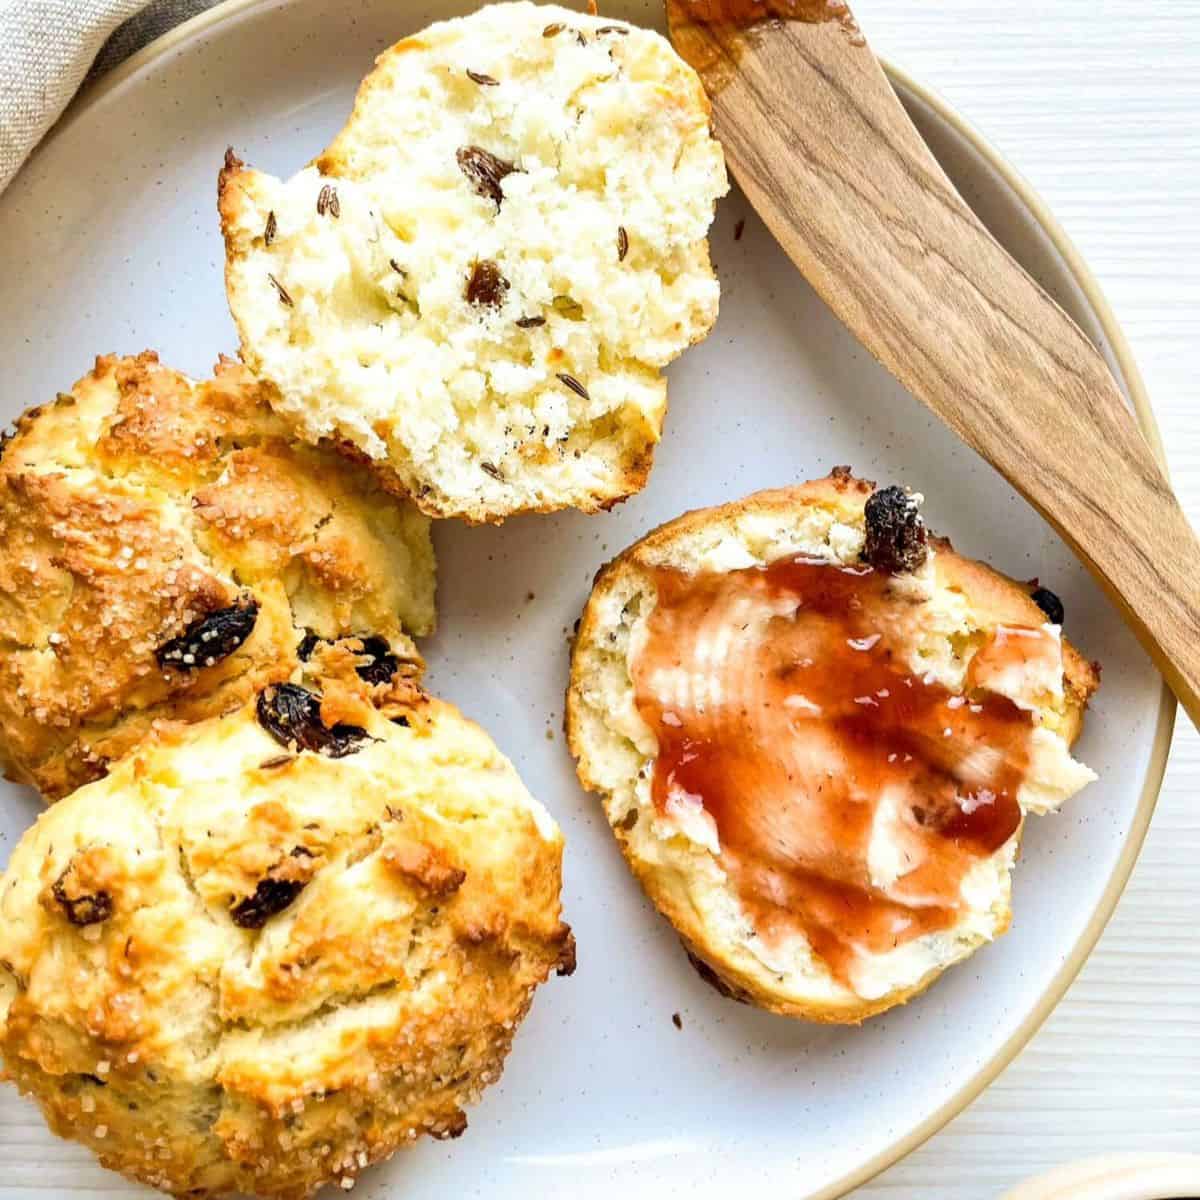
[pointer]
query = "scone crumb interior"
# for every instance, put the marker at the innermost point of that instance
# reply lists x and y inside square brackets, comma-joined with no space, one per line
[477,285]
[757,750]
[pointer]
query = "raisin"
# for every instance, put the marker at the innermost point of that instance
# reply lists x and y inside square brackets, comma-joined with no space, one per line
[286,710]
[380,669]
[895,531]
[88,909]
[383,664]
[567,955]
[485,171]
[1050,604]
[486,285]
[210,638]
[453,1127]
[715,981]
[308,643]
[292,715]
[271,896]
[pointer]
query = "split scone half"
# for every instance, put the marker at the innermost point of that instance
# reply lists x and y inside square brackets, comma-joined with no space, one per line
[816,732]
[166,549]
[477,285]
[271,948]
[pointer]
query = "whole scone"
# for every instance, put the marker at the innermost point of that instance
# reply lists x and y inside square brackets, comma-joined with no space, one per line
[816,731]
[166,550]
[477,284]
[269,949]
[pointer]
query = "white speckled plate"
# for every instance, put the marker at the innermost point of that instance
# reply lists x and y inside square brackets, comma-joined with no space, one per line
[108,241]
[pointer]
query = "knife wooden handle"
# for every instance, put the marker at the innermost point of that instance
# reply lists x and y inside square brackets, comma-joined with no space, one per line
[829,158]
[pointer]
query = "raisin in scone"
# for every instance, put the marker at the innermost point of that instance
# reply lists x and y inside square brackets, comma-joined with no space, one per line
[166,549]
[271,948]
[817,731]
[477,285]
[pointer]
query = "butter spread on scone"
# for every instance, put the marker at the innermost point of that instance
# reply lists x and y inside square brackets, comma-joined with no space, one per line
[817,731]
[166,549]
[477,284]
[269,949]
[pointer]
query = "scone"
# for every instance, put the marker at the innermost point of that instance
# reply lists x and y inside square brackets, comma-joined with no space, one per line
[477,285]
[269,949]
[816,732]
[166,550]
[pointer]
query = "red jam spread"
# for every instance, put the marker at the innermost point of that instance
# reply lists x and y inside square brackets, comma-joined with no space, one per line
[785,710]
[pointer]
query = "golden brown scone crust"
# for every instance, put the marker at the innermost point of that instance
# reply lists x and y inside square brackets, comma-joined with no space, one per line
[992,599]
[375,998]
[140,502]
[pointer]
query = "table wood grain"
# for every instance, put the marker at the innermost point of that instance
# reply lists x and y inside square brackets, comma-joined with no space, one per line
[1097,102]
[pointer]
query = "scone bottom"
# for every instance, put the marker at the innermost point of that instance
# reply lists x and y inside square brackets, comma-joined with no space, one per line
[817,731]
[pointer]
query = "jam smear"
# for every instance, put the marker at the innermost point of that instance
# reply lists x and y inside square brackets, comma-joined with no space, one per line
[849,795]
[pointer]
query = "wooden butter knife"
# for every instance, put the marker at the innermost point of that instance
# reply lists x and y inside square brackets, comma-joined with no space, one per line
[826,154]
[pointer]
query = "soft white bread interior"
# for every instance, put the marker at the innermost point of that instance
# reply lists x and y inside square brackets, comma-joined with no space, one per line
[954,604]
[477,284]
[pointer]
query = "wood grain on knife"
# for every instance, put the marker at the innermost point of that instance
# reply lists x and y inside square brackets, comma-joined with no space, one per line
[830,160]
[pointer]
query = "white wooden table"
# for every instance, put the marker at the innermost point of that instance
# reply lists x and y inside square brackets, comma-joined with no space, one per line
[1097,103]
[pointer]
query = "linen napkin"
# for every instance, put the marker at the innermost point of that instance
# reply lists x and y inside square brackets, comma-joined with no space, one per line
[47,48]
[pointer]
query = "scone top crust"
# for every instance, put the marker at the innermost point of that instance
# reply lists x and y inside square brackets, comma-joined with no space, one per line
[951,608]
[164,547]
[234,965]
[478,282]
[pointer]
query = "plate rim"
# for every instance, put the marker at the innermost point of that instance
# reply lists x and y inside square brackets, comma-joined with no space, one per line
[1057,985]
